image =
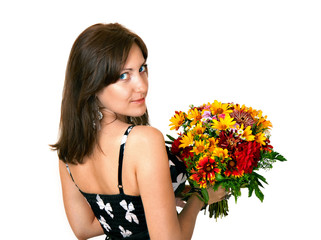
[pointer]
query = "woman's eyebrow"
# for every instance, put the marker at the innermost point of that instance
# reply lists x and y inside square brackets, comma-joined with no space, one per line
[131,69]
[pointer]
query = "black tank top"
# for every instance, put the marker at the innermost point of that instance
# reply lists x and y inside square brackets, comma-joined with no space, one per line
[121,215]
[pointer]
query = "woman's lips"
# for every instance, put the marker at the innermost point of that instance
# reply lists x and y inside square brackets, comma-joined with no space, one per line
[139,101]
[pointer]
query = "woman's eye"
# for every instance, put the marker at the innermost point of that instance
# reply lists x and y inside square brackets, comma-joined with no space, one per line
[124,76]
[143,68]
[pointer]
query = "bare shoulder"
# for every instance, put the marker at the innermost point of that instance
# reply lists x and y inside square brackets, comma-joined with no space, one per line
[146,135]
[146,143]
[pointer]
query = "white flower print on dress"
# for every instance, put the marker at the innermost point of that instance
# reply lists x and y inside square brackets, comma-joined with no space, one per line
[171,163]
[107,207]
[104,223]
[129,216]
[125,233]
[179,180]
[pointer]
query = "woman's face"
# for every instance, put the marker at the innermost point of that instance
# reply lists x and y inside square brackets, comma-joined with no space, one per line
[126,97]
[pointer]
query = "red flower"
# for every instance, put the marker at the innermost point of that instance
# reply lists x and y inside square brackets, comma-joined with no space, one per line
[175,146]
[233,170]
[247,156]
[228,141]
[267,147]
[185,154]
[206,169]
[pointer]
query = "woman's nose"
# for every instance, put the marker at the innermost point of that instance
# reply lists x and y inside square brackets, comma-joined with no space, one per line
[141,83]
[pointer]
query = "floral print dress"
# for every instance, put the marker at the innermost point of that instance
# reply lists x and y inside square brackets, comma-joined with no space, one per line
[121,215]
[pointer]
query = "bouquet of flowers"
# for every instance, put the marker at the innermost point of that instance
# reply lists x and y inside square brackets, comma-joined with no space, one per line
[223,144]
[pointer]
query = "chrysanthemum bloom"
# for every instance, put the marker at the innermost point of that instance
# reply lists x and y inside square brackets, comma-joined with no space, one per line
[247,156]
[220,108]
[206,169]
[228,140]
[223,124]
[177,120]
[242,117]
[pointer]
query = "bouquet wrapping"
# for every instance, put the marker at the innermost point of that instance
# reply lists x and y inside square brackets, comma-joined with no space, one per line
[223,144]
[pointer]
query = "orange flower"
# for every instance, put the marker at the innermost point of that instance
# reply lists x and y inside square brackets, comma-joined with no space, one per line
[177,120]
[206,169]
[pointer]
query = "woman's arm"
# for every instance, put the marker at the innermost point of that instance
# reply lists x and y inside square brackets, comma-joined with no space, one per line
[80,216]
[154,181]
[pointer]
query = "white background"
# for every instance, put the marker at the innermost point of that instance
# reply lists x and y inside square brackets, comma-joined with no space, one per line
[265,54]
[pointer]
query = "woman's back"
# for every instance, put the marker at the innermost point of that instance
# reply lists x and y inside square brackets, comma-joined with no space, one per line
[99,172]
[120,214]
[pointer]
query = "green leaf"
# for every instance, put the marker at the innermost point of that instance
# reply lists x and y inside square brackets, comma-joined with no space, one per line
[170,137]
[219,177]
[260,177]
[205,195]
[259,194]
[280,157]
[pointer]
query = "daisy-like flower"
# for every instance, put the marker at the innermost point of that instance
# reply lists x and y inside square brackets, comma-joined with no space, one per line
[199,129]
[245,134]
[212,144]
[260,138]
[221,153]
[194,115]
[186,140]
[223,124]
[177,120]
[242,117]
[206,169]
[200,146]
[232,169]
[219,108]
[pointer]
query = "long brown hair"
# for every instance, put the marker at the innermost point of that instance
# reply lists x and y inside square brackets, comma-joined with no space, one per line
[95,61]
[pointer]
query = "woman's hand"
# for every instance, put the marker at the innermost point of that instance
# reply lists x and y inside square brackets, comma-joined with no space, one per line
[216,196]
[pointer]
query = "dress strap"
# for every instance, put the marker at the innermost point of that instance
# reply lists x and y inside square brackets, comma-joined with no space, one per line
[121,156]
[71,176]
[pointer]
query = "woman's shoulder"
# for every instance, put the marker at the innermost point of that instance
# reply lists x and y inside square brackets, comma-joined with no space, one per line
[146,134]
[146,140]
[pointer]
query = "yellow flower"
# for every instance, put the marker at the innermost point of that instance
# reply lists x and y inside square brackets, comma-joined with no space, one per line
[200,146]
[263,123]
[187,140]
[238,108]
[219,108]
[199,129]
[177,120]
[223,124]
[260,138]
[247,134]
[256,114]
[220,152]
[194,116]
[212,144]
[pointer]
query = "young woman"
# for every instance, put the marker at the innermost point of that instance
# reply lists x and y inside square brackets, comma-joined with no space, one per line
[114,168]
